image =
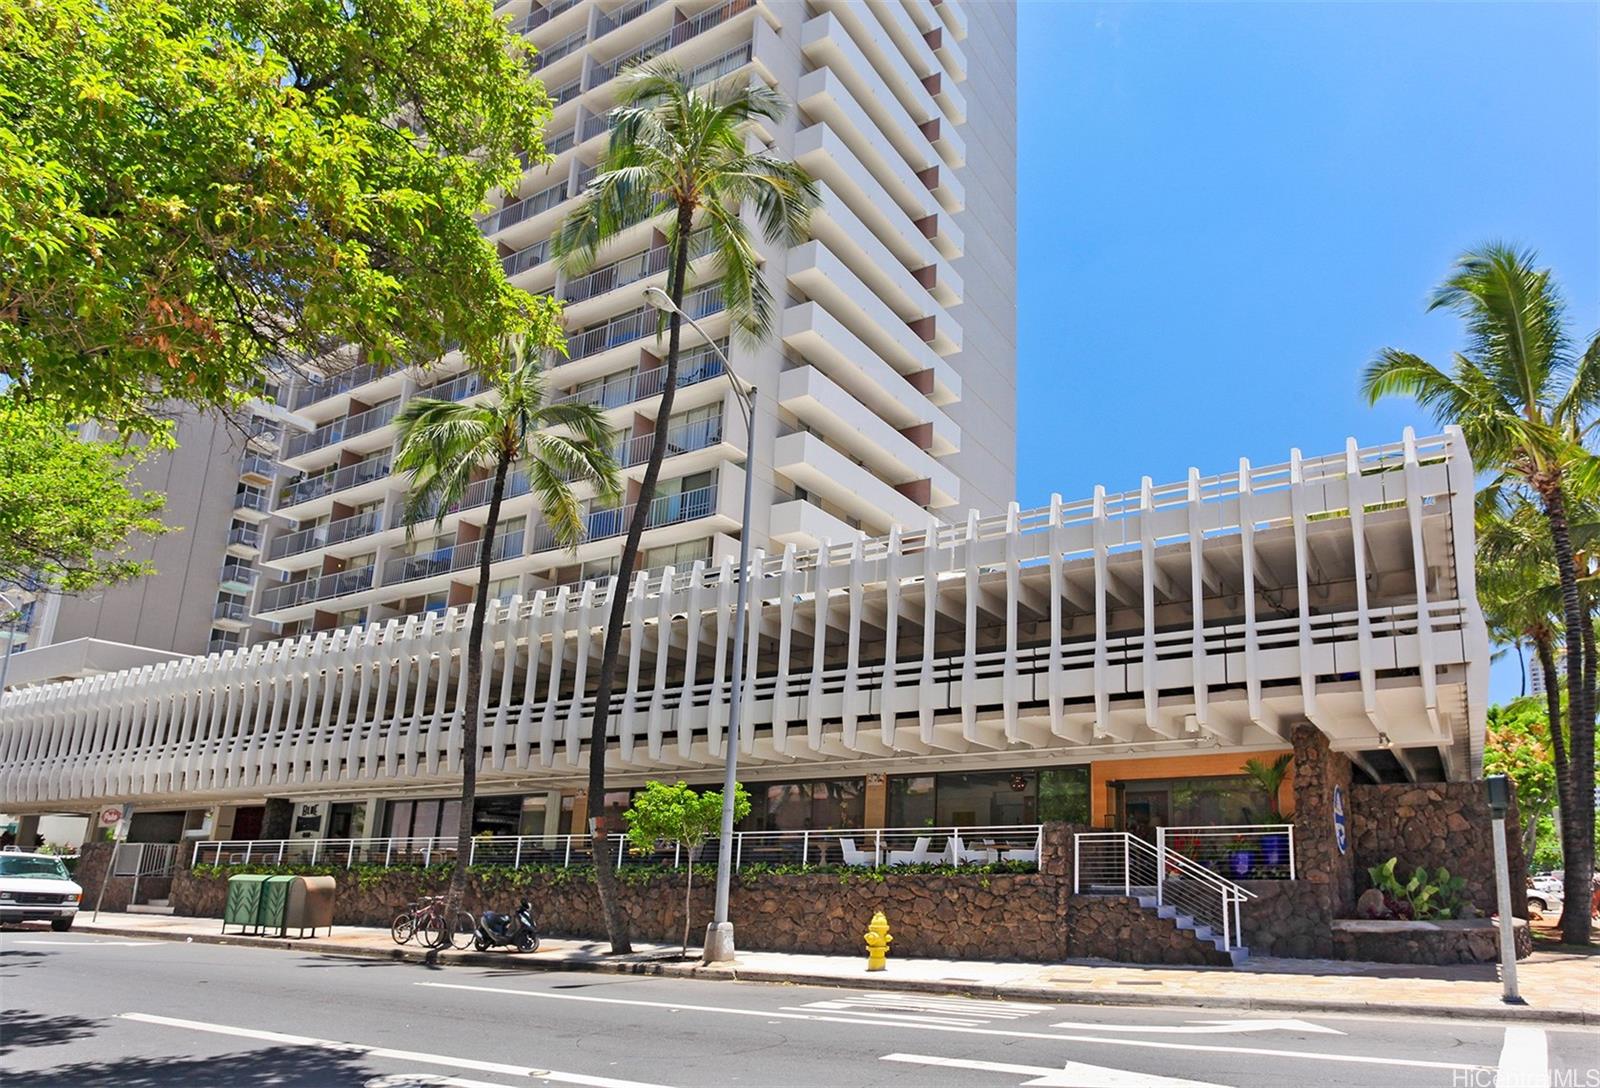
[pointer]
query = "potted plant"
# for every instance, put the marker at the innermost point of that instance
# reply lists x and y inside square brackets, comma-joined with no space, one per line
[1270,776]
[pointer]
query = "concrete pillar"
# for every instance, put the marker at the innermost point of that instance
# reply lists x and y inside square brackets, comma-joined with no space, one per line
[27,831]
[580,813]
[552,812]
[876,801]
[278,819]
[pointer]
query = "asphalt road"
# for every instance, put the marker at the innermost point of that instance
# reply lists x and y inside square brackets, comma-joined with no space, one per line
[95,1010]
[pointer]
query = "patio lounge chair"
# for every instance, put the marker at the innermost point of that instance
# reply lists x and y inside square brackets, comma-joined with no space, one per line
[852,855]
[917,855]
[1020,855]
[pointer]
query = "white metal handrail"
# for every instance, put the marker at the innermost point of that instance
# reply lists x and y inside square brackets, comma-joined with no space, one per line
[866,847]
[1108,861]
[1241,851]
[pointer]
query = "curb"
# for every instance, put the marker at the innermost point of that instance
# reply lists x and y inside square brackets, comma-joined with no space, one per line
[402,954]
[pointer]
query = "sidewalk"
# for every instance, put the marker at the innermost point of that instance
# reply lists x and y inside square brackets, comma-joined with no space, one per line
[1559,987]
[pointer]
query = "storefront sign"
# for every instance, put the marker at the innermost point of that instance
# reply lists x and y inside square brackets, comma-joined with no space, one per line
[1339,834]
[111,816]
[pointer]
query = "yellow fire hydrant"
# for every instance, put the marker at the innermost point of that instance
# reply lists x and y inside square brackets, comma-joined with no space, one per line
[877,938]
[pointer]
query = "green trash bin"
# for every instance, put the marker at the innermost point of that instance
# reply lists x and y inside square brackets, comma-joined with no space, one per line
[272,914]
[244,901]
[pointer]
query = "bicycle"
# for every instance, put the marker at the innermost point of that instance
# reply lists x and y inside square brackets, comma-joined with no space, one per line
[425,919]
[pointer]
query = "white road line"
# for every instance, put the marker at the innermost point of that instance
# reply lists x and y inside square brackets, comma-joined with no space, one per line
[876,1015]
[384,1052]
[1007,1033]
[1524,1059]
[1070,1075]
[98,944]
[1208,1027]
[426,1080]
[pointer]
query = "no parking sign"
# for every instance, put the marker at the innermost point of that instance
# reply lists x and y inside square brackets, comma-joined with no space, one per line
[1339,835]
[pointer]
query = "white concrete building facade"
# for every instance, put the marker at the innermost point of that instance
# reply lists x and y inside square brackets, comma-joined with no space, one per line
[1199,620]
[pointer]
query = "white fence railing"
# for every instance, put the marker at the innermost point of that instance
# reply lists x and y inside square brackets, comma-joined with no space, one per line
[869,848]
[1111,862]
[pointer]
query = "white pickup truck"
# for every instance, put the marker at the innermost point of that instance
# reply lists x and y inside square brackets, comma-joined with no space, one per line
[36,888]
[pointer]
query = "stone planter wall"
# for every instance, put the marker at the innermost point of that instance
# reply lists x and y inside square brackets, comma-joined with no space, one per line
[1474,940]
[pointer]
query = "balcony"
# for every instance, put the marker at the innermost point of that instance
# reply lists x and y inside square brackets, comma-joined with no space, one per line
[253,464]
[652,262]
[605,24]
[320,588]
[236,578]
[563,48]
[684,438]
[523,259]
[696,366]
[412,568]
[231,612]
[460,387]
[341,429]
[320,536]
[251,500]
[682,32]
[222,645]
[244,536]
[613,521]
[477,494]
[526,208]
[326,483]
[638,324]
[309,392]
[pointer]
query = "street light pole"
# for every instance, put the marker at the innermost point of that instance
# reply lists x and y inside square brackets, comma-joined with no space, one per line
[719,947]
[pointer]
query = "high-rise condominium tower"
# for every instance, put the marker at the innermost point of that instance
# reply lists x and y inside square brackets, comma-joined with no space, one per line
[887,395]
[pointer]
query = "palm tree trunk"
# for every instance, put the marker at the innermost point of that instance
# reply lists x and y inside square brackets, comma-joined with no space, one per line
[605,874]
[472,712]
[1522,669]
[1577,818]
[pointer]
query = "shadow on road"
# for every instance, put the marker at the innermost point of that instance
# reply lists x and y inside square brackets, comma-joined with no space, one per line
[20,1029]
[277,1067]
[16,957]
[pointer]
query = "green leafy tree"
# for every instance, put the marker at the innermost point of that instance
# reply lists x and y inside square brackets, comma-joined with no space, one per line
[1518,746]
[191,189]
[677,156]
[70,512]
[1526,401]
[677,814]
[447,446]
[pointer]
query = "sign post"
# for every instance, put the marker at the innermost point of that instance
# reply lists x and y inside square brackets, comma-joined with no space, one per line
[115,818]
[1499,789]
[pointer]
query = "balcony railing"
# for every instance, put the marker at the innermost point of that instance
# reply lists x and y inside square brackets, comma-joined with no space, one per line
[326,483]
[699,365]
[639,323]
[356,525]
[244,536]
[613,521]
[341,429]
[460,387]
[631,269]
[1014,845]
[526,208]
[316,589]
[684,438]
[561,143]
[411,568]
[563,48]
[236,574]
[309,392]
[236,611]
[250,500]
[682,32]
[253,464]
[713,70]
[561,96]
[222,645]
[523,259]
[605,24]
[477,494]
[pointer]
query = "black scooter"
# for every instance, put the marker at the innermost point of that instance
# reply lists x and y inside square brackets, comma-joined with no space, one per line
[507,930]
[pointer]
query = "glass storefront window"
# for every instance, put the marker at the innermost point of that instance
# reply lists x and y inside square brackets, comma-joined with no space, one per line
[798,806]
[496,815]
[911,801]
[990,798]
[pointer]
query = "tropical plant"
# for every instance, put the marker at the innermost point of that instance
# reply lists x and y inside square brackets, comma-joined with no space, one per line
[677,814]
[1423,896]
[1526,402]
[1270,776]
[447,446]
[678,156]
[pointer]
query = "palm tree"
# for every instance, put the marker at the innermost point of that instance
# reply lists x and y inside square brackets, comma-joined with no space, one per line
[1526,404]
[678,156]
[444,445]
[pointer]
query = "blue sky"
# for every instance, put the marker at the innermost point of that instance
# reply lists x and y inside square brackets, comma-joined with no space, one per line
[1226,209]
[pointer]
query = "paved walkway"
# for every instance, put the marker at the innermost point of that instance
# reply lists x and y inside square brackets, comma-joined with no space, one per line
[1558,986]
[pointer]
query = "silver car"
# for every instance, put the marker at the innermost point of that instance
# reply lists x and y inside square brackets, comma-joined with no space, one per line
[1544,895]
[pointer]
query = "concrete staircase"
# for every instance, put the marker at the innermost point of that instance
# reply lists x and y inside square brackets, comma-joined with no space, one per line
[1201,932]
[154,906]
